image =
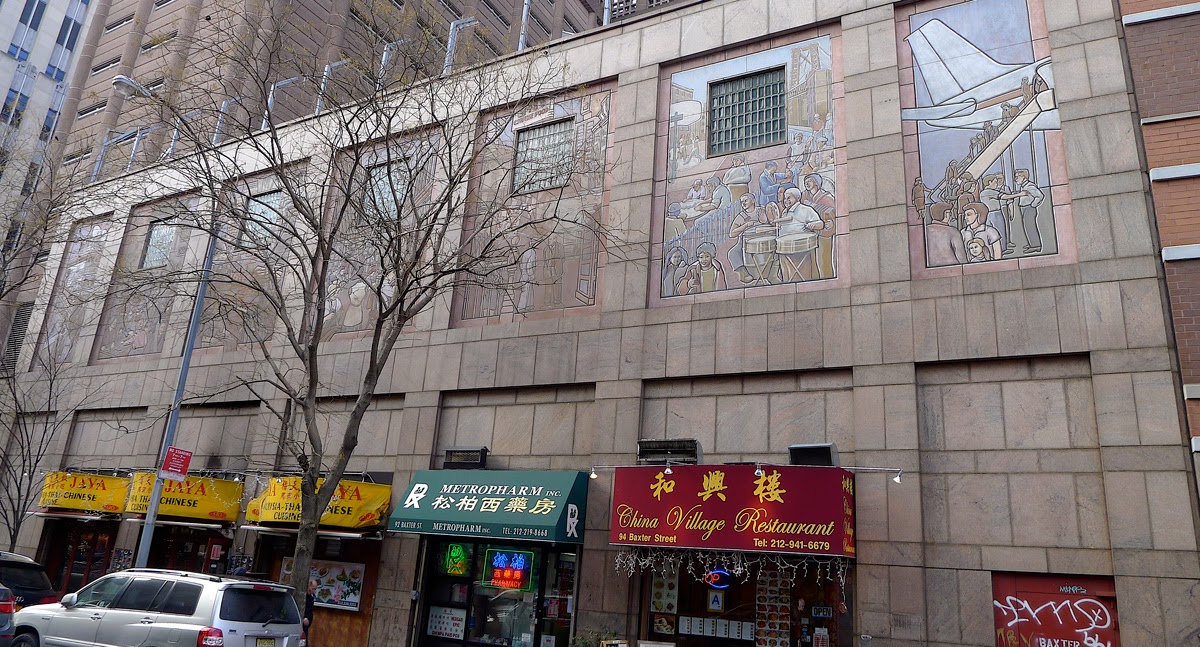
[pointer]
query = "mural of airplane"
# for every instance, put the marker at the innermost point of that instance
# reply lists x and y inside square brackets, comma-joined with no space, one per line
[968,87]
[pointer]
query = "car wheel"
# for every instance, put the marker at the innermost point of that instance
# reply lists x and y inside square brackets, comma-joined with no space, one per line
[25,640]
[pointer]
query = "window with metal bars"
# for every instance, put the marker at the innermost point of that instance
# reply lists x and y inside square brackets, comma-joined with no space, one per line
[159,240]
[543,156]
[747,112]
[16,337]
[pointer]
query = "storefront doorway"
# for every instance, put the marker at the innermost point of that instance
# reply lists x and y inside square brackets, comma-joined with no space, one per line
[756,600]
[76,552]
[199,550]
[512,595]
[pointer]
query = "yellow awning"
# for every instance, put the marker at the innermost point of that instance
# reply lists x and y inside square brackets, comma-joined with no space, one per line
[87,492]
[195,498]
[356,504]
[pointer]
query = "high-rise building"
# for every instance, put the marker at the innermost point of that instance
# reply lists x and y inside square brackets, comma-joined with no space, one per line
[165,44]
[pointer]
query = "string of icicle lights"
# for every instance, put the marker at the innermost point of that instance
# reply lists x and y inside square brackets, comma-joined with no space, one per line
[669,562]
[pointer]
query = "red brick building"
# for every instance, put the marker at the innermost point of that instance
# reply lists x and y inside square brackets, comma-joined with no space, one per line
[1165,66]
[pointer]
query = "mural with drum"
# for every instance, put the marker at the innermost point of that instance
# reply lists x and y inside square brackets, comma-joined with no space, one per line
[751,198]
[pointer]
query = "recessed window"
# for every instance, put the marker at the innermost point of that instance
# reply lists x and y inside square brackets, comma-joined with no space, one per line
[94,109]
[162,3]
[106,65]
[543,156]
[118,23]
[747,112]
[159,41]
[74,158]
[262,216]
[159,240]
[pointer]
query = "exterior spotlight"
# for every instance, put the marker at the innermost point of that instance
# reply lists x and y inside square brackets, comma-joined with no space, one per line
[593,474]
[758,470]
[668,470]
[897,478]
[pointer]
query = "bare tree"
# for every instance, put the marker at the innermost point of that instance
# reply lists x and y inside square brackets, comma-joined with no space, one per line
[38,412]
[412,194]
[36,193]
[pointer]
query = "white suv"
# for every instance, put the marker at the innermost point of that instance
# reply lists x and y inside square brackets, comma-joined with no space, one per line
[145,607]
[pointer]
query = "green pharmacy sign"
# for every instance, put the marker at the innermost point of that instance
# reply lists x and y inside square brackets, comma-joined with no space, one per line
[494,504]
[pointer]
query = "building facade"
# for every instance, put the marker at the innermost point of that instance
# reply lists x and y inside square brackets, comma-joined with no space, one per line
[920,232]
[1169,128]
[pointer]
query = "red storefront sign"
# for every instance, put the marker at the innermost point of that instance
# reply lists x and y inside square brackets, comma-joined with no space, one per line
[1034,610]
[785,509]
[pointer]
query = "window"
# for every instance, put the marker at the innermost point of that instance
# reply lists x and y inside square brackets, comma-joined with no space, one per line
[94,109]
[158,4]
[159,41]
[14,107]
[747,112]
[31,177]
[389,191]
[102,592]
[158,244]
[487,44]
[68,35]
[28,578]
[118,23]
[543,156]
[251,605]
[106,65]
[181,600]
[262,215]
[31,19]
[540,24]
[139,595]
[71,159]
[499,15]
[48,125]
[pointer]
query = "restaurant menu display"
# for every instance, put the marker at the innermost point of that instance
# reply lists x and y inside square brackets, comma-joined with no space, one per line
[664,595]
[339,584]
[445,622]
[773,616]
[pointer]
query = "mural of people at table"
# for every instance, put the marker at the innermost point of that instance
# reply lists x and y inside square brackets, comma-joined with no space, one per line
[982,120]
[759,217]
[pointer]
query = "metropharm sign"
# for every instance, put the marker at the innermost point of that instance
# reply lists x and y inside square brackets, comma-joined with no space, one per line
[196,497]
[543,506]
[86,492]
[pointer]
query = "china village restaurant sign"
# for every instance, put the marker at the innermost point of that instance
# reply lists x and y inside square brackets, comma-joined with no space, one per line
[785,509]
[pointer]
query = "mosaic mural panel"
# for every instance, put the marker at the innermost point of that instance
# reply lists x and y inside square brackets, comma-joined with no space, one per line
[984,152]
[80,286]
[767,216]
[398,180]
[137,309]
[562,269]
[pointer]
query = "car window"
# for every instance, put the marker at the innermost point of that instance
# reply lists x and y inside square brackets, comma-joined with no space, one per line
[182,599]
[27,577]
[139,594]
[255,605]
[101,593]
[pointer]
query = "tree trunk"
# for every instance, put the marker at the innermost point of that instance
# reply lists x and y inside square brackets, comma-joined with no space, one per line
[306,539]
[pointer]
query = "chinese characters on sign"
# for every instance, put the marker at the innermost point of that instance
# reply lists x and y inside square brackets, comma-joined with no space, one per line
[508,569]
[785,509]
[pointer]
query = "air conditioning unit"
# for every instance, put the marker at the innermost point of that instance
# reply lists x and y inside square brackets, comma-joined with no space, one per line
[465,458]
[814,454]
[679,451]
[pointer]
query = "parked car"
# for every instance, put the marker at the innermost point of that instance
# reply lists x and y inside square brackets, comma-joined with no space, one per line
[145,607]
[27,580]
[8,606]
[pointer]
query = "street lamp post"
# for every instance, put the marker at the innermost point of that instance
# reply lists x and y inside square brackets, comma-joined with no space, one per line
[131,89]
